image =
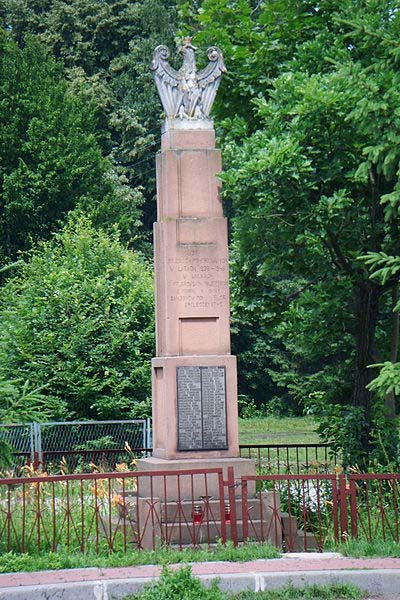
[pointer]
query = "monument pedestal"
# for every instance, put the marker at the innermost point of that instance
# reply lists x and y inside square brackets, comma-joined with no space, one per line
[194,375]
[194,398]
[194,379]
[196,487]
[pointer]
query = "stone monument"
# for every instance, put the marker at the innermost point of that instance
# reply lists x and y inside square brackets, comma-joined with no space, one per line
[194,381]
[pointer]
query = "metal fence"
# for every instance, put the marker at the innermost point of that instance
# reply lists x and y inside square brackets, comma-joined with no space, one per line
[75,443]
[111,512]
[105,512]
[292,458]
[303,510]
[269,458]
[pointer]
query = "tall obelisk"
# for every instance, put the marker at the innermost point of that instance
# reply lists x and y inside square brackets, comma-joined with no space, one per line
[195,417]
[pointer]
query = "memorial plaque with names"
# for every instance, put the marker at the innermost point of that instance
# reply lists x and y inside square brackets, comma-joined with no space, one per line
[201,408]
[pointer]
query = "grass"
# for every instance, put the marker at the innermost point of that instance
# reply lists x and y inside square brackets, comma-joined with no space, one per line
[278,430]
[182,585]
[284,430]
[363,549]
[11,562]
[338,591]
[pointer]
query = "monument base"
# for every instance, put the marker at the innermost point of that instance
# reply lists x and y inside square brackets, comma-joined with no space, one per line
[193,486]
[167,422]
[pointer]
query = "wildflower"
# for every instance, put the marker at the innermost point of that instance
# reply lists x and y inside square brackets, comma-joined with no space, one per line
[117,500]
[63,466]
[121,467]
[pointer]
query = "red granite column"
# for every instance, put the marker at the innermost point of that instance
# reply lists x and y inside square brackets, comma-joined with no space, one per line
[195,416]
[192,291]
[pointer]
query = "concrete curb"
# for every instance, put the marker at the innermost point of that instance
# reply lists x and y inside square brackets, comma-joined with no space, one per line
[384,582]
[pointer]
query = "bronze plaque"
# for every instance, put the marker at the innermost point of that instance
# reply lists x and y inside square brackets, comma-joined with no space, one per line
[201,408]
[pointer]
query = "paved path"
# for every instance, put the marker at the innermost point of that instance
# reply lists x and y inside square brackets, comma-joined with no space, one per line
[379,576]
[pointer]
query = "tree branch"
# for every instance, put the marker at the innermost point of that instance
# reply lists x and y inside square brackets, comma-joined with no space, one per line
[344,263]
[305,287]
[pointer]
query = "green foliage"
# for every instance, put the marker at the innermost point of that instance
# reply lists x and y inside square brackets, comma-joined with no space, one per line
[359,548]
[311,174]
[247,408]
[50,159]
[106,48]
[142,409]
[340,426]
[182,585]
[12,562]
[19,404]
[78,320]
[179,585]
[335,591]
[106,441]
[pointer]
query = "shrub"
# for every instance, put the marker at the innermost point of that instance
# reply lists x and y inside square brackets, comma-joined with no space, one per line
[179,585]
[78,320]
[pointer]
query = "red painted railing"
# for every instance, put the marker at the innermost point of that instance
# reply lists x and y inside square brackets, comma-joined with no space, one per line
[105,512]
[373,502]
[299,512]
[112,511]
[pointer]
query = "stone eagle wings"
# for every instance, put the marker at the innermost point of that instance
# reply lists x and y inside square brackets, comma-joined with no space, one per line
[187,94]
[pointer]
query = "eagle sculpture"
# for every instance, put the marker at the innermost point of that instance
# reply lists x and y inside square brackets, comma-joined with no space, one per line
[187,94]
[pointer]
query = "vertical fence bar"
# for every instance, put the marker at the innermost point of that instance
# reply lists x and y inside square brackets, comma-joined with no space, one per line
[344,521]
[23,518]
[335,495]
[32,437]
[245,523]
[8,518]
[353,507]
[232,505]
[149,441]
[38,443]
[222,506]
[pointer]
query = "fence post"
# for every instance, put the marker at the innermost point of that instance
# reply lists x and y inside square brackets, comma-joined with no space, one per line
[353,507]
[148,440]
[344,521]
[232,505]
[37,439]
[32,431]
[245,523]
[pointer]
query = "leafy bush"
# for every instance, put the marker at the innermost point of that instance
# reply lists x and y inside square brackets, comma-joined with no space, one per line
[342,425]
[78,320]
[179,585]
[19,404]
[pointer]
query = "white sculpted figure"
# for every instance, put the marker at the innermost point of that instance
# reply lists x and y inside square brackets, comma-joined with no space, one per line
[186,93]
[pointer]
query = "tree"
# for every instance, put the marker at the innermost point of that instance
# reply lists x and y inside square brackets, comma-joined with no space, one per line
[106,48]
[77,321]
[314,181]
[50,160]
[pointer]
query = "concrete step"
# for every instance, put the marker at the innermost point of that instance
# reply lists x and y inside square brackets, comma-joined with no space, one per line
[188,509]
[192,534]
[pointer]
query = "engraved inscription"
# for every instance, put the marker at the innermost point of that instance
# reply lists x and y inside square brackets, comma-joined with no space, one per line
[202,408]
[213,396]
[198,282]
[190,434]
